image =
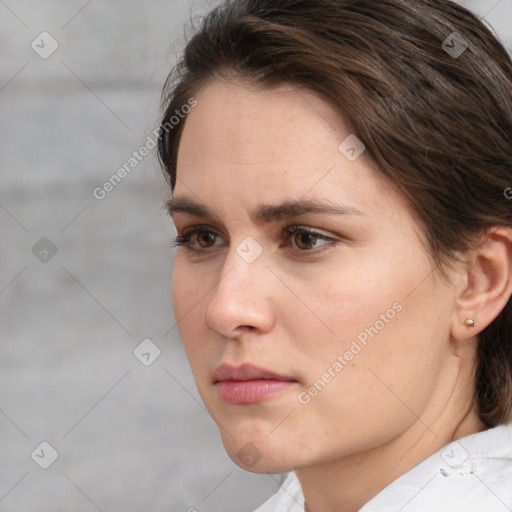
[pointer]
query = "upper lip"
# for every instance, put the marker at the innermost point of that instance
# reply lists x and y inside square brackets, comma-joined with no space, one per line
[245,372]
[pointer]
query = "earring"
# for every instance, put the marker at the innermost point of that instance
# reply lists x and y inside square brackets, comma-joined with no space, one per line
[469,322]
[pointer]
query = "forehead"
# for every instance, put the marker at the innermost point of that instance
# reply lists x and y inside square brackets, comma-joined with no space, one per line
[236,127]
[250,146]
[236,117]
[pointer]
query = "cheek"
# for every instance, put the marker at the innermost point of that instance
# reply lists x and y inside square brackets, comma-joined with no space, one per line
[388,371]
[180,289]
[381,333]
[189,286]
[188,296]
[376,323]
[349,307]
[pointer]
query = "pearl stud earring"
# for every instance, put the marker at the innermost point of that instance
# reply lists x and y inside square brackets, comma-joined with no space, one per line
[469,322]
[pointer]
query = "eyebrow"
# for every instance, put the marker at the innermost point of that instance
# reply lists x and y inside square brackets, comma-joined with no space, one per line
[263,213]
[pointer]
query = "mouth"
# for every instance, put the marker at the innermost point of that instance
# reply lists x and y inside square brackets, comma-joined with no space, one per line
[249,384]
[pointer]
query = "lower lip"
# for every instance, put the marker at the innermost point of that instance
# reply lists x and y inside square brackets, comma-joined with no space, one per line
[241,392]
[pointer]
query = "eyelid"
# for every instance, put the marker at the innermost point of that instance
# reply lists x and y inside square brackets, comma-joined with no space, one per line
[298,228]
[197,228]
[294,228]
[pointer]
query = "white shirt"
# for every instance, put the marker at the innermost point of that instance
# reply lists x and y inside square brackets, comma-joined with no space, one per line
[472,474]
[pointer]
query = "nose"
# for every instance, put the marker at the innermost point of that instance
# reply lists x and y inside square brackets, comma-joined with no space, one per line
[243,299]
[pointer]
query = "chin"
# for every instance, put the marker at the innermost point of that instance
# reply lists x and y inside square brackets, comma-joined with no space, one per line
[250,437]
[251,458]
[258,454]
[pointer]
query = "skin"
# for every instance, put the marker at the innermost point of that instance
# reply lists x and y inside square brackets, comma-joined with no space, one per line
[294,310]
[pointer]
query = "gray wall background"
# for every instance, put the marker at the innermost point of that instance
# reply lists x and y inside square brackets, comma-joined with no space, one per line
[129,437]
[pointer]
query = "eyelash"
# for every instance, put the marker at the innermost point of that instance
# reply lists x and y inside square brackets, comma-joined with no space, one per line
[184,239]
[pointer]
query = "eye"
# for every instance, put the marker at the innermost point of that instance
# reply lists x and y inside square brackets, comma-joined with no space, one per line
[307,239]
[197,238]
[301,239]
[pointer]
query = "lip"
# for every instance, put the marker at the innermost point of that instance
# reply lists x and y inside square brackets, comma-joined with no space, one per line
[245,372]
[248,384]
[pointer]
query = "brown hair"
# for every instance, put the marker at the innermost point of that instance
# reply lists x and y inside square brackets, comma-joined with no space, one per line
[436,122]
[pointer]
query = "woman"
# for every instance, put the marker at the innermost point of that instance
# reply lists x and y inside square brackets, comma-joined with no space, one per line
[339,173]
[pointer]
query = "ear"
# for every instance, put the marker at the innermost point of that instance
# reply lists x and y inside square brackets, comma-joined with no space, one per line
[487,283]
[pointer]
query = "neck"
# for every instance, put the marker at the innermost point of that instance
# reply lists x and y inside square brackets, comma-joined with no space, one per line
[346,484]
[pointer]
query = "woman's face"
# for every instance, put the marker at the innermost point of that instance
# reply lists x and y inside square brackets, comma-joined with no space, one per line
[310,266]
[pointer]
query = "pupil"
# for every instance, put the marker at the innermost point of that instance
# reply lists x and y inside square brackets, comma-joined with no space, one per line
[306,241]
[205,239]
